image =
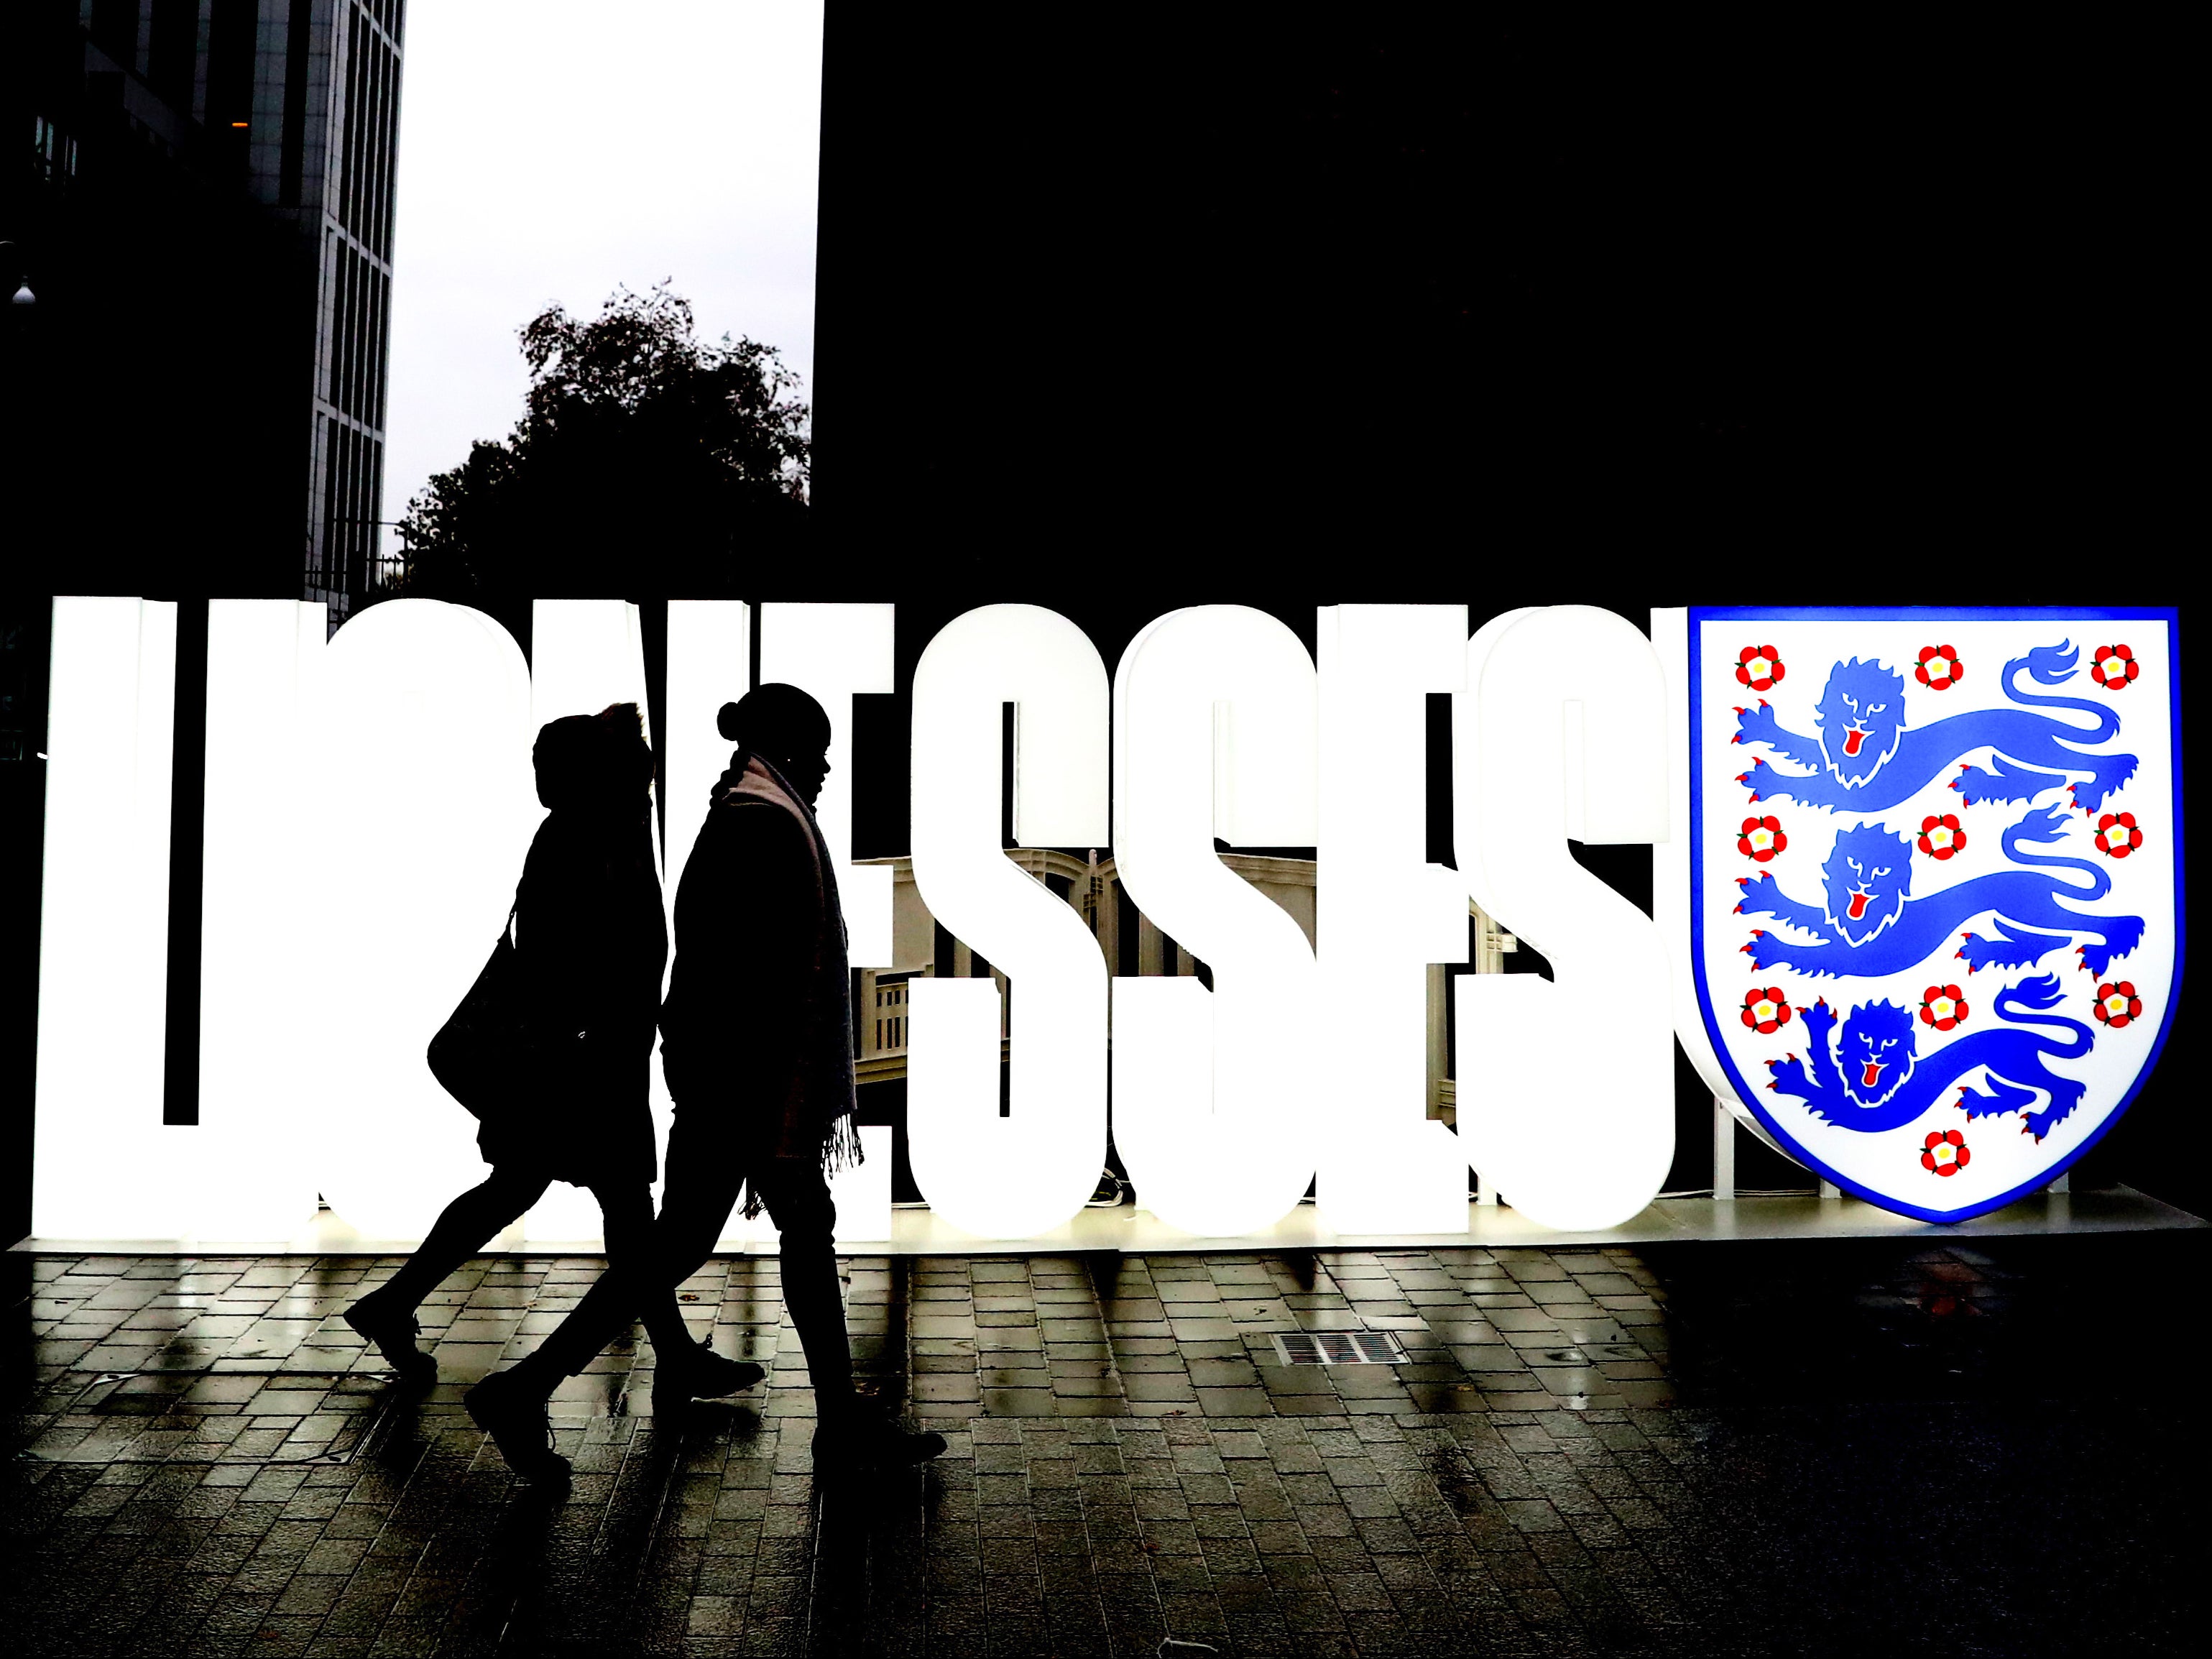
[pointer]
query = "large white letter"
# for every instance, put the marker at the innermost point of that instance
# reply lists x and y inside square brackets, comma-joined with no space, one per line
[585,654]
[709,664]
[1214,720]
[1023,1173]
[106,1167]
[832,652]
[426,809]
[262,881]
[1566,1089]
[1382,914]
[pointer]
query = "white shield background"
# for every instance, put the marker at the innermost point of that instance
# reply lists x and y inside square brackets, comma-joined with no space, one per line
[1885,1166]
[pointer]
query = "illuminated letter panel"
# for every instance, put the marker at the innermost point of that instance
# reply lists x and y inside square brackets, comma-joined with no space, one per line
[1382,914]
[106,1166]
[253,1177]
[428,805]
[1567,1108]
[1027,1172]
[1214,1091]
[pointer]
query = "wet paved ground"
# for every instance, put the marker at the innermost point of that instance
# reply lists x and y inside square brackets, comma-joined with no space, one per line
[1845,1448]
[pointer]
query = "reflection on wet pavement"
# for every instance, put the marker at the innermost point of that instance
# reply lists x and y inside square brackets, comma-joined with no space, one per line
[1837,1447]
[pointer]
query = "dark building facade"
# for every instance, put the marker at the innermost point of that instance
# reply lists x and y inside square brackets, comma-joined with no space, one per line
[336,109]
[201,196]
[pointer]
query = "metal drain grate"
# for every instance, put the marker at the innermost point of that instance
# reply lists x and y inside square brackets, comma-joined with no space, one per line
[1339,1348]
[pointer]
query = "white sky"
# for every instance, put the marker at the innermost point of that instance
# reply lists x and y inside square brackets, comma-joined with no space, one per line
[552,150]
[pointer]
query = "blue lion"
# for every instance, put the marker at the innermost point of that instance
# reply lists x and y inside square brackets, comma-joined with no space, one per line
[1864,757]
[1870,923]
[1875,1079]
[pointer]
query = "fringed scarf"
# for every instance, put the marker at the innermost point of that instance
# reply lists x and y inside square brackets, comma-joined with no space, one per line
[825,1098]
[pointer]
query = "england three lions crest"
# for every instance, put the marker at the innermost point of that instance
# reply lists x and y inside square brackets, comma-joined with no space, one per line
[1935,884]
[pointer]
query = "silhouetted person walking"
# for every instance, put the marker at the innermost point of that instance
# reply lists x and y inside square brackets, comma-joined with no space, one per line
[590,944]
[757,1044]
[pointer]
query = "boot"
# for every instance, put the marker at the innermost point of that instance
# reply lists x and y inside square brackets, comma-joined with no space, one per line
[852,1440]
[515,1417]
[696,1372]
[392,1334]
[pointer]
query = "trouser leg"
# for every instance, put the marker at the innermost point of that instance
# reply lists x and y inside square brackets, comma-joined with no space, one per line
[634,1263]
[695,1205]
[465,1227]
[798,1200]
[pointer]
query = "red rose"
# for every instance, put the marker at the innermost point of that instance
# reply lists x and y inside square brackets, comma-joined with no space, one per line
[2113,667]
[1945,1153]
[1942,1006]
[2117,835]
[1758,666]
[1765,1011]
[2117,1005]
[1939,668]
[1940,838]
[1760,839]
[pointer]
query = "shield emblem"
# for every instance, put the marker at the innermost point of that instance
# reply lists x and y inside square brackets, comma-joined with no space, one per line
[1935,878]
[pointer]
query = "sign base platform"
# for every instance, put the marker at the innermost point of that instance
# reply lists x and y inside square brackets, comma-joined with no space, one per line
[1131,1231]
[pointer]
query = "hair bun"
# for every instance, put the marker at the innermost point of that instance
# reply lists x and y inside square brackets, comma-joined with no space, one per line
[779,721]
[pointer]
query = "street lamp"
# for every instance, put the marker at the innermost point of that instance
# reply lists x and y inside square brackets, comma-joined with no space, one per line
[23,295]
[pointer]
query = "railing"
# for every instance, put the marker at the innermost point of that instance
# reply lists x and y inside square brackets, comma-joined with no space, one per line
[889,1032]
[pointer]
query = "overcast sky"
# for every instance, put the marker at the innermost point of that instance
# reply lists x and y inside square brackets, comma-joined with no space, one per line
[552,150]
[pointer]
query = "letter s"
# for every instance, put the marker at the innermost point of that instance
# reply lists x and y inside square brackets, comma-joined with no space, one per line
[1214,1092]
[1023,1173]
[1566,1089]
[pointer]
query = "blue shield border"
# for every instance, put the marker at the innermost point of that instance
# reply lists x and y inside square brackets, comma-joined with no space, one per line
[2066,618]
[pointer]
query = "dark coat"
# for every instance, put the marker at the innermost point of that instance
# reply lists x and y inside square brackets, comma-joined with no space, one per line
[592,941]
[757,1038]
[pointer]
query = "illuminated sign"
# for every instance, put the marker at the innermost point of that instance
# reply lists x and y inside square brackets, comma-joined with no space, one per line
[1961,859]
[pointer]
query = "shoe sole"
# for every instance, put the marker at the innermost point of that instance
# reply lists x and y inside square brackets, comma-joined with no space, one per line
[420,1372]
[759,1374]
